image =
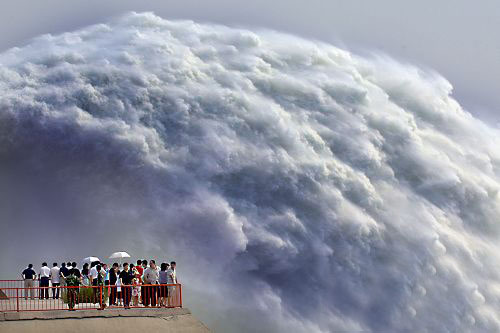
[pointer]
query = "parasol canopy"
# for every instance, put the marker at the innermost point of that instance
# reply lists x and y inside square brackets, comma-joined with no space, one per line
[90,260]
[119,255]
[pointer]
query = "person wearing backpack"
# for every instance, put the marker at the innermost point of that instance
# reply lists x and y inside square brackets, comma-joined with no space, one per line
[101,275]
[72,282]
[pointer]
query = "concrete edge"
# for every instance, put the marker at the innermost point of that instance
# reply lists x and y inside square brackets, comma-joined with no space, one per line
[80,314]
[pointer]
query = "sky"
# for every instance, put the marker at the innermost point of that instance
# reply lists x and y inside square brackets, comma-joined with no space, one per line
[457,38]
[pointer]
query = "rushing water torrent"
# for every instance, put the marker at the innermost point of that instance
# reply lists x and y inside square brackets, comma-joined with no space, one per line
[298,186]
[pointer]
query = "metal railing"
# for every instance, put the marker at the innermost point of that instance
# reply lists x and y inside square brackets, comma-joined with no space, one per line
[17,299]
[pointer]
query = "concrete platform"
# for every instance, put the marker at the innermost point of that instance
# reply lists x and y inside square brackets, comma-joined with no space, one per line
[112,320]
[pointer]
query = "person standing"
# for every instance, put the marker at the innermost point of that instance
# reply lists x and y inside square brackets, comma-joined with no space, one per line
[44,281]
[101,274]
[136,290]
[151,276]
[93,280]
[55,280]
[113,277]
[63,273]
[140,271]
[73,280]
[172,279]
[119,295]
[163,284]
[29,277]
[106,274]
[144,265]
[126,281]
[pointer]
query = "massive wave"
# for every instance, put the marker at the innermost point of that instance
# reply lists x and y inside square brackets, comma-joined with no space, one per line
[300,187]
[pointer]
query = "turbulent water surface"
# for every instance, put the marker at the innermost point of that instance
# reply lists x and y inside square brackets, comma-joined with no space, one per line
[299,187]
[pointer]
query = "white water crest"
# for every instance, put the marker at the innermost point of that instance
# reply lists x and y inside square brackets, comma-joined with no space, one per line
[300,188]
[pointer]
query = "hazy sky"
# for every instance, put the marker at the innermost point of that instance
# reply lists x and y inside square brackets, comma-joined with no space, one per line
[455,37]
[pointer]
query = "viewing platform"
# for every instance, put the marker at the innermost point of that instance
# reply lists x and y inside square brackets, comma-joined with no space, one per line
[175,320]
[27,310]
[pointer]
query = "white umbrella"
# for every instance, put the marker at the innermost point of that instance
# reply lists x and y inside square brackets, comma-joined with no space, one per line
[119,255]
[90,260]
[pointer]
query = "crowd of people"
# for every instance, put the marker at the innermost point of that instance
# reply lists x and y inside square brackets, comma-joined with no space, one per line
[129,284]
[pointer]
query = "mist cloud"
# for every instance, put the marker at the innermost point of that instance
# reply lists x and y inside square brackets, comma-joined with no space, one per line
[300,187]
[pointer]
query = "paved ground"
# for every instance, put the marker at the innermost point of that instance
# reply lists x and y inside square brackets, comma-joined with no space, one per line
[109,321]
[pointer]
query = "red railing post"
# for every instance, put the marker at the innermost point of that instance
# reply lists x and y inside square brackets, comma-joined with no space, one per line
[180,295]
[17,298]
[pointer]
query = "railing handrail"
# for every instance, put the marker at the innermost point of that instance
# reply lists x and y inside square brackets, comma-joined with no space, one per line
[107,285]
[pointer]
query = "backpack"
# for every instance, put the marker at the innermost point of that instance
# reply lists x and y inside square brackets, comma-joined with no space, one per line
[72,281]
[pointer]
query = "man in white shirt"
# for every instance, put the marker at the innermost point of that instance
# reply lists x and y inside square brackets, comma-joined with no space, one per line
[44,281]
[93,278]
[93,272]
[151,276]
[54,279]
[172,273]
[172,279]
